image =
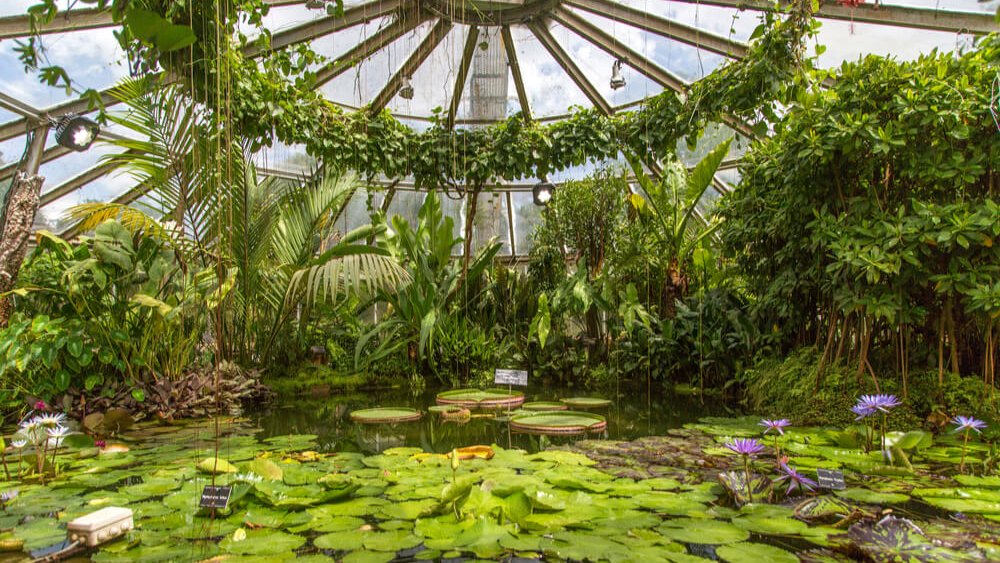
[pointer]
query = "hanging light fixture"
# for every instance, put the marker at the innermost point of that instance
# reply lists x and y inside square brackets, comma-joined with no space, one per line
[76,132]
[542,193]
[617,80]
[406,90]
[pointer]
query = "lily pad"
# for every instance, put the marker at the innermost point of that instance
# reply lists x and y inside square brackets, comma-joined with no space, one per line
[698,530]
[558,423]
[872,497]
[262,542]
[542,406]
[481,399]
[216,466]
[746,552]
[586,402]
[385,415]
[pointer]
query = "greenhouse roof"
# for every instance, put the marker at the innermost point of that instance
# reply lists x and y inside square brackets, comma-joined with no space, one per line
[431,60]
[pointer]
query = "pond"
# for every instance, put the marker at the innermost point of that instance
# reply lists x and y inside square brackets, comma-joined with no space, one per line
[630,415]
[660,483]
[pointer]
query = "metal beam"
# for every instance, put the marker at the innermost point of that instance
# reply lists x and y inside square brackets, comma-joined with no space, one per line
[663,27]
[326,25]
[952,21]
[366,48]
[542,33]
[17,127]
[417,58]
[50,154]
[515,71]
[619,50]
[463,73]
[71,20]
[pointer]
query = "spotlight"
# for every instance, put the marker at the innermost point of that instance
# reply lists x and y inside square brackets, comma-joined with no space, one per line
[617,80]
[76,132]
[315,4]
[542,193]
[406,90]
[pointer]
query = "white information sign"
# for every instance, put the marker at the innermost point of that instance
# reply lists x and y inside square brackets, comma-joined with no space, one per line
[511,377]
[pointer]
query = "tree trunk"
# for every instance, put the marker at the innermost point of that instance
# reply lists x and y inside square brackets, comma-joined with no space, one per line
[22,203]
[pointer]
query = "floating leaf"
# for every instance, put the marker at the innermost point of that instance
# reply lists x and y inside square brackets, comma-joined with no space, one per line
[746,552]
[697,530]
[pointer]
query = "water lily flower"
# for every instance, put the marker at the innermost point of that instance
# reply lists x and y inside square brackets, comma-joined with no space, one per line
[50,420]
[745,446]
[100,443]
[964,424]
[862,411]
[56,435]
[967,423]
[776,425]
[18,443]
[795,479]
[7,497]
[880,402]
[872,404]
[40,406]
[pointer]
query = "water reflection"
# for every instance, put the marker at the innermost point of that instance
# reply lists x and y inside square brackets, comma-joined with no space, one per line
[630,416]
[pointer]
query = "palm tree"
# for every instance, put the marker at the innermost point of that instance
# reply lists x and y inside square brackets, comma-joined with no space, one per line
[668,209]
[266,240]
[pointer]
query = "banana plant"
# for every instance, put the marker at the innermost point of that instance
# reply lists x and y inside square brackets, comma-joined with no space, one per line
[668,208]
[437,288]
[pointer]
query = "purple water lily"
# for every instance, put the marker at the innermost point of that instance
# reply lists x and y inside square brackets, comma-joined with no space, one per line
[880,402]
[862,411]
[795,479]
[964,424]
[869,405]
[967,423]
[776,425]
[745,446]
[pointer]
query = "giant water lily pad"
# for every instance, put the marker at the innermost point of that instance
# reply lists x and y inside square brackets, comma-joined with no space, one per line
[481,399]
[586,402]
[558,423]
[537,406]
[385,415]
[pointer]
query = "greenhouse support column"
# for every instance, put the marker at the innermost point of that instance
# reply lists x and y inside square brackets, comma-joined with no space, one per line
[18,216]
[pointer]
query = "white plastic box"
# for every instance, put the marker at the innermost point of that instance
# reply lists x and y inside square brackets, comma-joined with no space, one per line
[101,526]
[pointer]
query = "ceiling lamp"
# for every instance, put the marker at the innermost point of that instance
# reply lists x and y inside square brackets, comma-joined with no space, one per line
[617,80]
[406,90]
[542,193]
[76,132]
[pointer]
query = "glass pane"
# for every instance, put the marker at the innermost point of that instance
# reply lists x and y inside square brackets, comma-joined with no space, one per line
[491,222]
[527,216]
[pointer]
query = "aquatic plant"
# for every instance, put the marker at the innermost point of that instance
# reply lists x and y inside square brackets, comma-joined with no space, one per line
[779,428]
[42,431]
[7,497]
[869,405]
[746,447]
[795,479]
[965,424]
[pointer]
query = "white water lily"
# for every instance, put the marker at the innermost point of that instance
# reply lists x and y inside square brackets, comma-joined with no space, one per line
[18,442]
[51,420]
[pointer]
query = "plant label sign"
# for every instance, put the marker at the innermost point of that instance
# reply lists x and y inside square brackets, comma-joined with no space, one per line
[215,497]
[829,479]
[511,377]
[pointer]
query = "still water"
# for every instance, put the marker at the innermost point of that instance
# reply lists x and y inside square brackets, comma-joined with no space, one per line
[632,414]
